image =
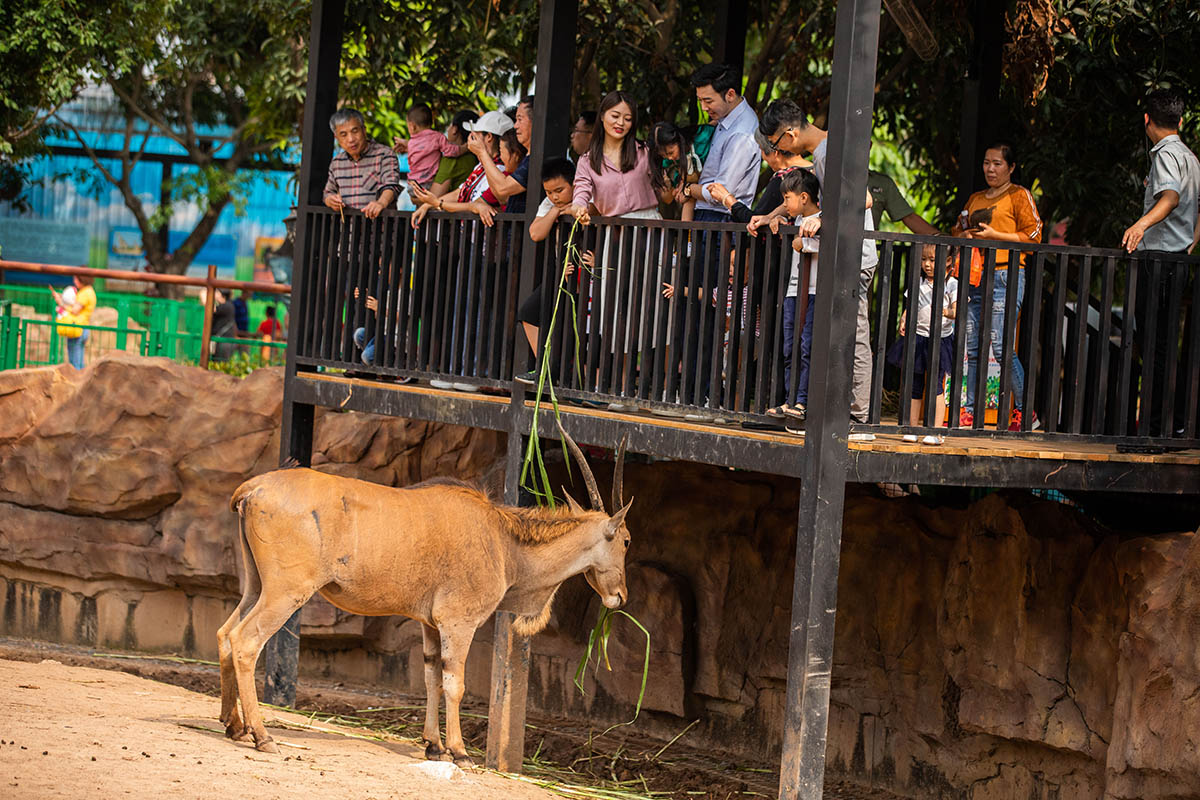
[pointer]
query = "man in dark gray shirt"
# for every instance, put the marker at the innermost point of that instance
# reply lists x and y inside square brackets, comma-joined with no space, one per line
[1166,228]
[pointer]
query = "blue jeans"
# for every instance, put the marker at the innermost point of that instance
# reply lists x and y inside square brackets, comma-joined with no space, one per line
[75,349]
[789,331]
[974,311]
[367,346]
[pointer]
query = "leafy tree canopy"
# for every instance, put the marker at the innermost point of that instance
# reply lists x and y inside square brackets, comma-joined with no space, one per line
[1074,74]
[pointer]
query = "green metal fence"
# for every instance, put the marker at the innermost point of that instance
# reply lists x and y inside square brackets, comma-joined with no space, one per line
[37,342]
[150,326]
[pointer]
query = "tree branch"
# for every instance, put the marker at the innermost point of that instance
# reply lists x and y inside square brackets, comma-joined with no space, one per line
[135,107]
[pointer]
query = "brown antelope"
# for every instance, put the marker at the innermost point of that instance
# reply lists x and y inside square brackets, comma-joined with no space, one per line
[441,553]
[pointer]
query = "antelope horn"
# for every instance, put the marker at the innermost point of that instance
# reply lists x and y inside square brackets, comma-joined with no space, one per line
[588,478]
[618,491]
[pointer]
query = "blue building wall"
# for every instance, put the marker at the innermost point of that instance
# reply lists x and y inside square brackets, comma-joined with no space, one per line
[84,221]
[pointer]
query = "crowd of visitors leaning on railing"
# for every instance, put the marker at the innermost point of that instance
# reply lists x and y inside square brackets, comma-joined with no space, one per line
[711,173]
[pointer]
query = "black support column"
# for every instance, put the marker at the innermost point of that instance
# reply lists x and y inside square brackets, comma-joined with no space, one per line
[981,93]
[281,655]
[823,484]
[551,134]
[730,46]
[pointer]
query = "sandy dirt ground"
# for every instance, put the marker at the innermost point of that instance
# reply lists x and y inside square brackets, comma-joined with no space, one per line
[76,732]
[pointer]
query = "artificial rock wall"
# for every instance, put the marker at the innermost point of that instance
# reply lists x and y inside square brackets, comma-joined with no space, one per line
[1012,648]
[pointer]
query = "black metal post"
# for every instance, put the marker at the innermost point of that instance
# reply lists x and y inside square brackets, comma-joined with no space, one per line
[822,488]
[730,47]
[281,655]
[551,131]
[551,135]
[981,92]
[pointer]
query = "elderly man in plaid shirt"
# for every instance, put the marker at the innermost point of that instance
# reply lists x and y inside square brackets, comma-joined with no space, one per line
[365,174]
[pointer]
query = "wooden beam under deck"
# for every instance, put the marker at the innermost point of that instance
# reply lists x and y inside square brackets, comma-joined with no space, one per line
[961,461]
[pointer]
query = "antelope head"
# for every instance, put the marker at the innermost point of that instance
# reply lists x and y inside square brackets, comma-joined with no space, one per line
[606,575]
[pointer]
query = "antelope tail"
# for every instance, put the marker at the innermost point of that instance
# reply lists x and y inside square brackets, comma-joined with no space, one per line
[529,624]
[249,581]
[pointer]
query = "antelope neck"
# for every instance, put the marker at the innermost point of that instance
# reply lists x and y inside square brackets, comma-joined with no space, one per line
[550,563]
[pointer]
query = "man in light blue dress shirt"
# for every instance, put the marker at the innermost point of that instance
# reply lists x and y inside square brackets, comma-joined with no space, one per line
[734,161]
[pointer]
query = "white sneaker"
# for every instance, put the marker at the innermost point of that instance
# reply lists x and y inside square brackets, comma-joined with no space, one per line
[910,437]
[932,440]
[441,384]
[622,408]
[861,437]
[464,387]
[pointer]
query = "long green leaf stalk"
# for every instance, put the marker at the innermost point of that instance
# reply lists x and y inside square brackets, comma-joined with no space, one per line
[536,479]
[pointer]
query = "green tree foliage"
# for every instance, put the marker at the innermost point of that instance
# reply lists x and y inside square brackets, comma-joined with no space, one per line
[1074,73]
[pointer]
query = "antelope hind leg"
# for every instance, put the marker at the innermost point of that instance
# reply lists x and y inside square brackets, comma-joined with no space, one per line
[432,647]
[234,727]
[246,642]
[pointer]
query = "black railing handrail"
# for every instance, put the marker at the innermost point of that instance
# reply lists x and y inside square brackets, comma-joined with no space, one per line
[901,237]
[1027,247]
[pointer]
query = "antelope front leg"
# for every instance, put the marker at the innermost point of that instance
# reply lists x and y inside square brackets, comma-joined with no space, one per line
[433,692]
[455,644]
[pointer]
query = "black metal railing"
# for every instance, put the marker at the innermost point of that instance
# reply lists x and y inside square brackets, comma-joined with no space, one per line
[713,345]
[434,302]
[1107,343]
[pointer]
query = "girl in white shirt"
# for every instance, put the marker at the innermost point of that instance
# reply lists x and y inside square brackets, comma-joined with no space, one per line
[895,355]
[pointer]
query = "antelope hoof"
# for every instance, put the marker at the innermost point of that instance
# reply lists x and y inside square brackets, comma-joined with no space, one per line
[463,762]
[266,746]
[433,751]
[237,733]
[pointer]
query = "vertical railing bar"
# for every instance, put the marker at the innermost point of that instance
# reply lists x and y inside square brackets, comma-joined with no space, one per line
[912,293]
[741,327]
[660,346]
[686,299]
[1096,424]
[800,318]
[933,362]
[645,367]
[1008,344]
[1054,407]
[1193,358]
[422,324]
[1033,317]
[1173,274]
[445,253]
[987,302]
[1125,376]
[883,291]
[384,322]
[314,275]
[1083,301]
[329,280]
[957,369]
[1149,340]
[720,314]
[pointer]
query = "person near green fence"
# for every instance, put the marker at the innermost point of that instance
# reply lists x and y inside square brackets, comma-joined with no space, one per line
[77,312]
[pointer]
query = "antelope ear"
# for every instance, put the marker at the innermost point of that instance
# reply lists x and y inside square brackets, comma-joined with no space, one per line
[575,507]
[614,522]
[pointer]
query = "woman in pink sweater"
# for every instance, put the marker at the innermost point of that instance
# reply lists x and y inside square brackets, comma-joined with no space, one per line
[614,179]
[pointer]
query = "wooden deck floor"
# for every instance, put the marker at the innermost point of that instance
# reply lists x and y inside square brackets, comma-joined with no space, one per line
[1032,460]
